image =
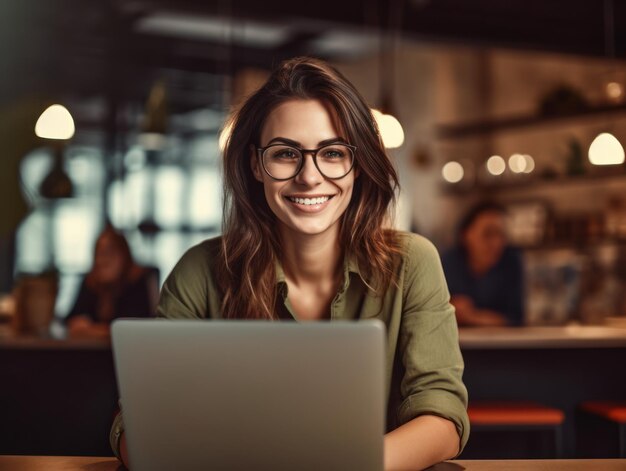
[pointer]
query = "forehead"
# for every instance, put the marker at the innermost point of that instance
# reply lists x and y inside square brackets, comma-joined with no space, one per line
[489,218]
[306,121]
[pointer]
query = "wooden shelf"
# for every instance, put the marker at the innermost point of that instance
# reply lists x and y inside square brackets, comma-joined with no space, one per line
[538,184]
[457,131]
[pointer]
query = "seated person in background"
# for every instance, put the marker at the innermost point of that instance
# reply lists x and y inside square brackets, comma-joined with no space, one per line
[484,274]
[115,287]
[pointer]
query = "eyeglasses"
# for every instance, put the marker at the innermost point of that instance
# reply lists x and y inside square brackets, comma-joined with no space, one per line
[283,162]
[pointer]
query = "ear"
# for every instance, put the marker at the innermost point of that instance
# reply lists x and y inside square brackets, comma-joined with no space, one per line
[254,164]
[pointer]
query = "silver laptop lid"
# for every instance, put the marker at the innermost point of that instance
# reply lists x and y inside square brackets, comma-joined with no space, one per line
[235,395]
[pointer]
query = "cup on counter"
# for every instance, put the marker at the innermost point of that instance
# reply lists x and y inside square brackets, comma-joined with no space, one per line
[35,297]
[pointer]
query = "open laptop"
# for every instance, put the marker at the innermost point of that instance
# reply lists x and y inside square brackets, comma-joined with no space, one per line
[253,395]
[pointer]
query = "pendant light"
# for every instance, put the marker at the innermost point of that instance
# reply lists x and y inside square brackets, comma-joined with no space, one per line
[56,126]
[154,127]
[606,149]
[390,128]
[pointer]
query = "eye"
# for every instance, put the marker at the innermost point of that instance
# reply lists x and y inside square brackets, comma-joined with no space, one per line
[285,153]
[333,153]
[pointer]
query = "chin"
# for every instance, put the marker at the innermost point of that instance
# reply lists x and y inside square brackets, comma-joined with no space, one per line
[313,228]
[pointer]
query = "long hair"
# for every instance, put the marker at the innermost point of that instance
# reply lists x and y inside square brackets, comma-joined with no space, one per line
[250,243]
[108,291]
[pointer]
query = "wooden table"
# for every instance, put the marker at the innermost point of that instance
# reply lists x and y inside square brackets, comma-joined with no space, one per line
[75,463]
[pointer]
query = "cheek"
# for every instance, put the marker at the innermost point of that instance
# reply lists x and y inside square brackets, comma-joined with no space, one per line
[272,191]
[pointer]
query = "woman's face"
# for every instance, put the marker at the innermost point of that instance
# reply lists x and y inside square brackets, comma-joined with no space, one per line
[109,260]
[307,123]
[485,238]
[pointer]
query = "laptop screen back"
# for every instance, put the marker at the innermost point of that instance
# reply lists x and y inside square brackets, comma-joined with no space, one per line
[251,394]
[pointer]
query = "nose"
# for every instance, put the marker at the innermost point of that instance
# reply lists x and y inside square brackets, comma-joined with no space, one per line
[309,174]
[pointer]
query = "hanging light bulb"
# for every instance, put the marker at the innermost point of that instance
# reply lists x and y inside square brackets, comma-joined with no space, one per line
[517,163]
[390,129]
[530,163]
[154,126]
[606,150]
[452,172]
[55,123]
[496,165]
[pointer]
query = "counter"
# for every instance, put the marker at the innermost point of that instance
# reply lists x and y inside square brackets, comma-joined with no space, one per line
[571,336]
[72,463]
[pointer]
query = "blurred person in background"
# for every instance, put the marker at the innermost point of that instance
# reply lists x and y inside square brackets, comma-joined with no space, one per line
[484,273]
[115,287]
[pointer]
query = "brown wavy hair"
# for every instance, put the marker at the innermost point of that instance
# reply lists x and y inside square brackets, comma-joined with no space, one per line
[251,243]
[108,291]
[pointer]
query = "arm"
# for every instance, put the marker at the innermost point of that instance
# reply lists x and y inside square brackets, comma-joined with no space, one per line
[83,326]
[418,443]
[468,315]
[123,450]
[117,439]
[434,407]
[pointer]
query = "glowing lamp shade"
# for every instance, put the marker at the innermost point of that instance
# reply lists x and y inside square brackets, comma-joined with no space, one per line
[55,123]
[390,129]
[606,150]
[452,172]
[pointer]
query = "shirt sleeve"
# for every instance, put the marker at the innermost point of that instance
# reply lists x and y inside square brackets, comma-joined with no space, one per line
[185,293]
[429,345]
[115,434]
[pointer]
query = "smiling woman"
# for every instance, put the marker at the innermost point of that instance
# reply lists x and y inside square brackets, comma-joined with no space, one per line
[308,189]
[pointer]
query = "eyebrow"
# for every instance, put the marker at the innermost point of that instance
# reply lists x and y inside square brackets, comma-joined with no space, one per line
[323,143]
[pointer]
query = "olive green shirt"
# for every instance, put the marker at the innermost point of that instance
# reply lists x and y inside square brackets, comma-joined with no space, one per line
[424,365]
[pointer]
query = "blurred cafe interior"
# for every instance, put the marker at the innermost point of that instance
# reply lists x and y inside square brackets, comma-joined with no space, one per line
[112,119]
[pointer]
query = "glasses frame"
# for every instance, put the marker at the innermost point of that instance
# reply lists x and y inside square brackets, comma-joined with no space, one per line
[313,152]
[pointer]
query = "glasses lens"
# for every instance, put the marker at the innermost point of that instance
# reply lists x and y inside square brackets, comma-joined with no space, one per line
[281,161]
[335,161]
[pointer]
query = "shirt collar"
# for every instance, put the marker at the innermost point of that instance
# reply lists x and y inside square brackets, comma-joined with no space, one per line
[350,265]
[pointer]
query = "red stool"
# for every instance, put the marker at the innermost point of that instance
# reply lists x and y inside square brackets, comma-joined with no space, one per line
[611,411]
[517,416]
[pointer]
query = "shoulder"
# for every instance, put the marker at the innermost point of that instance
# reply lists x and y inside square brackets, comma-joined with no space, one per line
[419,258]
[202,255]
[197,262]
[422,278]
[206,248]
[189,291]
[416,249]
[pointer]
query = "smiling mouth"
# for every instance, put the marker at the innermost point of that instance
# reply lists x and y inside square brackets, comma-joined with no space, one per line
[309,201]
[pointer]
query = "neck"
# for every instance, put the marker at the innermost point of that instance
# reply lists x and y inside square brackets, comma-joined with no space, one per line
[478,267]
[311,258]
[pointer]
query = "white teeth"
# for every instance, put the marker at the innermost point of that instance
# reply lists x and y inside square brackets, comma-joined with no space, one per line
[310,201]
